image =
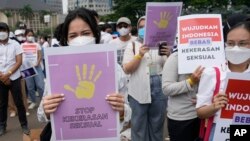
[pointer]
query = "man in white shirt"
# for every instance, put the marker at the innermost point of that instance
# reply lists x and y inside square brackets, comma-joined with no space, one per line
[10,79]
[123,26]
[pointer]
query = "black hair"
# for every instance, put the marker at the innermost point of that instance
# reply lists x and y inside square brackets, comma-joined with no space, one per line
[105,26]
[87,16]
[233,20]
[28,31]
[45,37]
[4,27]
[134,31]
[245,25]
[94,13]
[58,31]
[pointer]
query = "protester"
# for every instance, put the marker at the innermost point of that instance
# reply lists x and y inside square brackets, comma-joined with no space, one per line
[146,99]
[37,81]
[107,28]
[57,34]
[20,36]
[123,26]
[79,28]
[44,42]
[11,60]
[181,89]
[106,31]
[238,55]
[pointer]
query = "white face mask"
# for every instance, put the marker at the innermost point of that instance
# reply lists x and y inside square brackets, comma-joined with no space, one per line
[237,55]
[81,41]
[123,31]
[20,38]
[30,39]
[3,35]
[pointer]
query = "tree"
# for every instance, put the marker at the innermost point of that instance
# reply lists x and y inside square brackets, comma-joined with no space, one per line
[133,9]
[27,13]
[8,14]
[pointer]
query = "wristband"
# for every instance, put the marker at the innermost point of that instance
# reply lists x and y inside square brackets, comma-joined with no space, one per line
[190,81]
[138,57]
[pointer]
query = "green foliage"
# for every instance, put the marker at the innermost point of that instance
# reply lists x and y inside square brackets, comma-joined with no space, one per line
[241,2]
[17,24]
[133,9]
[8,14]
[27,12]
[44,32]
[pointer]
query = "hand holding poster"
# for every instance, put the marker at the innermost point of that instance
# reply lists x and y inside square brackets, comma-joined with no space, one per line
[28,70]
[200,42]
[30,55]
[85,75]
[161,23]
[237,111]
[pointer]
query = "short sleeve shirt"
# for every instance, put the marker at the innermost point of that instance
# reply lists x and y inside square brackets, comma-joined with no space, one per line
[8,53]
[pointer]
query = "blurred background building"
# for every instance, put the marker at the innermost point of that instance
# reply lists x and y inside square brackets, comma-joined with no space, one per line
[103,7]
[31,13]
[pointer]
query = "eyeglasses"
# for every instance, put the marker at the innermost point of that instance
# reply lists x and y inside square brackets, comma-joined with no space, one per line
[122,25]
[240,44]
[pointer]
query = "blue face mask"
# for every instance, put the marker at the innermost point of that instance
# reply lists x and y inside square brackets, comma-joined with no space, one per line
[141,32]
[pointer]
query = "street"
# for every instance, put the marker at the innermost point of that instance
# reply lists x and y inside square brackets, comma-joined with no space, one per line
[14,131]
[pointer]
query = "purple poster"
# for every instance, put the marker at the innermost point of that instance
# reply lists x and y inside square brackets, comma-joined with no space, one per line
[161,23]
[85,75]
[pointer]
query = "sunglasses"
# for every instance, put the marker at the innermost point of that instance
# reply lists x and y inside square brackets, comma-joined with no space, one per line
[122,25]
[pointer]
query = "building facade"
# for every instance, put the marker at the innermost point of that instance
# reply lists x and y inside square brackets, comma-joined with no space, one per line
[10,13]
[56,4]
[103,7]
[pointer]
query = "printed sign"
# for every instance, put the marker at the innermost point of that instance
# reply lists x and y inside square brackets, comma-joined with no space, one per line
[237,111]
[200,42]
[30,53]
[85,75]
[161,23]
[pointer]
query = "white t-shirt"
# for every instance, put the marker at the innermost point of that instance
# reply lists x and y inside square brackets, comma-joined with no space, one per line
[54,42]
[8,53]
[139,80]
[207,87]
[105,37]
[121,47]
[45,44]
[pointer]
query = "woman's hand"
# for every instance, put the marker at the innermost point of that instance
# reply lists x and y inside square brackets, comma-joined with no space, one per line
[166,50]
[220,100]
[116,101]
[5,78]
[196,75]
[51,102]
[143,49]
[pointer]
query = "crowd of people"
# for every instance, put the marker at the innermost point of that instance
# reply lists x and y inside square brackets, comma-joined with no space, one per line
[148,79]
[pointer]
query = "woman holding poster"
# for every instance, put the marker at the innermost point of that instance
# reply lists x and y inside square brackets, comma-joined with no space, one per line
[181,89]
[146,99]
[32,55]
[238,55]
[79,29]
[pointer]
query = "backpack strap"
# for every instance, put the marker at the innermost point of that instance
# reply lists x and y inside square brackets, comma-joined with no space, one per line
[133,44]
[205,132]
